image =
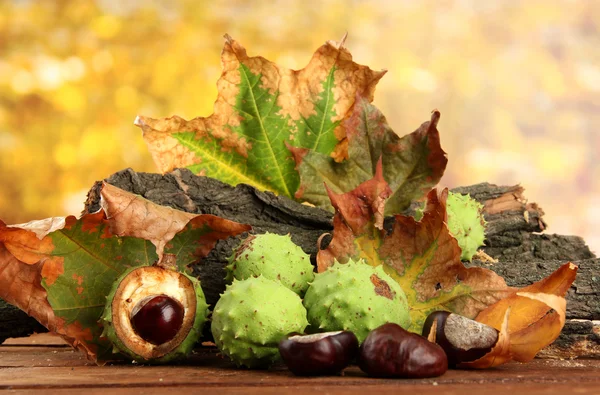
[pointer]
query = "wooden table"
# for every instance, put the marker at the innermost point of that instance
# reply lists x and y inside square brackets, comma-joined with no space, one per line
[43,364]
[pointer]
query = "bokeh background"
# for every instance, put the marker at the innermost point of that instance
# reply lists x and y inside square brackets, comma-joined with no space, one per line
[517,83]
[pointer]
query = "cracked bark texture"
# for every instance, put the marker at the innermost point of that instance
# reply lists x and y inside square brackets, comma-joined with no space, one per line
[512,237]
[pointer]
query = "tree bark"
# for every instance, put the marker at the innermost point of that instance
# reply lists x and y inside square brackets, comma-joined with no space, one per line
[512,237]
[16,323]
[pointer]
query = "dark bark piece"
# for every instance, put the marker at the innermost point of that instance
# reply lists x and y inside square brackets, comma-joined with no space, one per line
[583,299]
[506,208]
[511,223]
[524,256]
[182,190]
[16,323]
[266,212]
[580,338]
[519,246]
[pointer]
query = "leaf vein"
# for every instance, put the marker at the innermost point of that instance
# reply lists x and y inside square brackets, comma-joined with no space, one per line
[264,132]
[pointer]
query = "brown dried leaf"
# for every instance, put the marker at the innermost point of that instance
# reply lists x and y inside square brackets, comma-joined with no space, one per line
[527,342]
[537,313]
[524,310]
[132,215]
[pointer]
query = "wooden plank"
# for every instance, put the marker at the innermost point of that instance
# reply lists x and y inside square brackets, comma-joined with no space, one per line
[395,389]
[37,339]
[55,368]
[34,356]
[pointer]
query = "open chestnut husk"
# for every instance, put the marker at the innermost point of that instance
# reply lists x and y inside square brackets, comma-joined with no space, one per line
[154,314]
[391,351]
[319,354]
[463,339]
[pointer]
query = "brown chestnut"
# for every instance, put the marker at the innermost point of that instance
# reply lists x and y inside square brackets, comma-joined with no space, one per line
[319,354]
[157,318]
[391,351]
[463,339]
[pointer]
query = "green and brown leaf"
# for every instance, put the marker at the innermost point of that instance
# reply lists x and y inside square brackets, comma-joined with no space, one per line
[412,164]
[260,107]
[60,270]
[422,256]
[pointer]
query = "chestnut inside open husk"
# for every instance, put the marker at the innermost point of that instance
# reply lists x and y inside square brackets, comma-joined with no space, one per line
[319,354]
[391,351]
[157,318]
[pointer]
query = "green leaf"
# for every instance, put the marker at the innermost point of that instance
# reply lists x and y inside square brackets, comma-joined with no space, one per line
[412,165]
[89,260]
[317,131]
[268,164]
[199,236]
[262,109]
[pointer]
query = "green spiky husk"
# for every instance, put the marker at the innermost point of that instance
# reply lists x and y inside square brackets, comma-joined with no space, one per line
[273,256]
[344,297]
[252,316]
[466,223]
[181,351]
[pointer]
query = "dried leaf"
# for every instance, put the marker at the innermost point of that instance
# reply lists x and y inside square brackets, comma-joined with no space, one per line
[527,342]
[44,226]
[537,313]
[523,345]
[132,215]
[524,310]
[412,165]
[261,107]
[20,285]
[422,256]
[62,278]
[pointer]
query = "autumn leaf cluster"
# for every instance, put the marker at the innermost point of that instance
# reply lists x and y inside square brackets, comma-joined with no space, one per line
[311,135]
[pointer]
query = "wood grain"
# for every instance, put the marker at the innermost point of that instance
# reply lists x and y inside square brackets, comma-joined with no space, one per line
[29,365]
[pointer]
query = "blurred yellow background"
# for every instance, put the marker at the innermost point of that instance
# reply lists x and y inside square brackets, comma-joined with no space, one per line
[517,83]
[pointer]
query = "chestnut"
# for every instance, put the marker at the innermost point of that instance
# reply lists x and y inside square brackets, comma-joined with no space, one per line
[391,351]
[319,354]
[463,339]
[157,318]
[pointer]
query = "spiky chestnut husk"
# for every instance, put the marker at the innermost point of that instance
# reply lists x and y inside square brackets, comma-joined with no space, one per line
[252,316]
[136,286]
[355,297]
[465,222]
[275,257]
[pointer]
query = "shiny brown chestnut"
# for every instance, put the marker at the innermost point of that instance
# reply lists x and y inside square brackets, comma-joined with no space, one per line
[463,339]
[157,319]
[319,354]
[391,351]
